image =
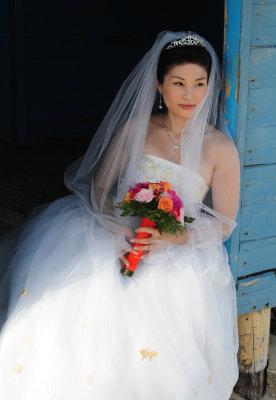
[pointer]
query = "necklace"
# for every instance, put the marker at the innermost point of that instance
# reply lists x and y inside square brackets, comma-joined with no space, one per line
[175,145]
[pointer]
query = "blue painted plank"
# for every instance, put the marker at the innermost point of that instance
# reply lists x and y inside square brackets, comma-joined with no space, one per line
[238,34]
[230,66]
[262,71]
[259,185]
[256,293]
[264,2]
[261,108]
[263,25]
[260,146]
[231,61]
[258,221]
[257,256]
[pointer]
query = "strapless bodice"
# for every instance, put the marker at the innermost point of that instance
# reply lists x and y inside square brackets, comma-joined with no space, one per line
[155,169]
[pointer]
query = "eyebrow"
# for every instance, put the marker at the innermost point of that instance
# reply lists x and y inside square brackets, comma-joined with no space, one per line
[183,79]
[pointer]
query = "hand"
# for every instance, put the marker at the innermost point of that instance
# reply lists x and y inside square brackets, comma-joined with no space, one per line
[150,244]
[130,249]
[124,259]
[156,240]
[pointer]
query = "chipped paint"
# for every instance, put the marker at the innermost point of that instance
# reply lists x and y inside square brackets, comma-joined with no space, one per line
[247,284]
[227,88]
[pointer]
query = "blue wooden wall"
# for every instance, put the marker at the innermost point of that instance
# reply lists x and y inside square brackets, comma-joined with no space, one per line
[250,107]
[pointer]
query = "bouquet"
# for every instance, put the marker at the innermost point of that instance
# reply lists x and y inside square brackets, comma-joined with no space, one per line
[159,206]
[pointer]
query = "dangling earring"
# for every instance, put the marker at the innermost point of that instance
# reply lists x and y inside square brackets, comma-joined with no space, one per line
[160,104]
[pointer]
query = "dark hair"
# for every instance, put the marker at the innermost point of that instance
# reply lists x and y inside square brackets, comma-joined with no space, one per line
[182,55]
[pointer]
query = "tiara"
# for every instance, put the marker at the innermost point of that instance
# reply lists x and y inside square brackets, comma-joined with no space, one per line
[187,41]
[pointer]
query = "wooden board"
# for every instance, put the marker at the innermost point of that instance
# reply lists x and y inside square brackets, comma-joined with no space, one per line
[260,146]
[263,24]
[256,293]
[257,256]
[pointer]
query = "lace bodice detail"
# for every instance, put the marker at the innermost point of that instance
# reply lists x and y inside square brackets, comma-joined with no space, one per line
[156,169]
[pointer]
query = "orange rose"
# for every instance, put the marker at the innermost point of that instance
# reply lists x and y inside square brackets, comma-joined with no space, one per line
[127,197]
[166,186]
[154,186]
[165,204]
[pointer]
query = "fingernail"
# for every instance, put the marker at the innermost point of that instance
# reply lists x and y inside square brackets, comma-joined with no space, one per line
[135,248]
[127,263]
[131,240]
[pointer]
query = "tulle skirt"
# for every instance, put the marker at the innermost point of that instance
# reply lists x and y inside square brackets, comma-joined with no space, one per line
[75,328]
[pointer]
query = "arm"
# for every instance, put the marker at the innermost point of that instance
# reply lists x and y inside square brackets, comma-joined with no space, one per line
[225,183]
[216,224]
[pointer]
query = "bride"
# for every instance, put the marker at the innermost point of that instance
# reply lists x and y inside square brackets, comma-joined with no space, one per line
[73,326]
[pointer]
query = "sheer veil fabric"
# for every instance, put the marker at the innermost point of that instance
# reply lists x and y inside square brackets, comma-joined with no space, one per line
[102,176]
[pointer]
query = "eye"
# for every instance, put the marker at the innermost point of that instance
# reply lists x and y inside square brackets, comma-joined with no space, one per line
[178,83]
[200,84]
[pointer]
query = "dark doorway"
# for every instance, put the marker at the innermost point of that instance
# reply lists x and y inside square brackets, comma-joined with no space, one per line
[61,65]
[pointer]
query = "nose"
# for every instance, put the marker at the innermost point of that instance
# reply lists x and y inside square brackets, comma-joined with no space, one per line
[188,93]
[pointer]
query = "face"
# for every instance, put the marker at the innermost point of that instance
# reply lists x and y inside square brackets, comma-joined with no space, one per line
[183,89]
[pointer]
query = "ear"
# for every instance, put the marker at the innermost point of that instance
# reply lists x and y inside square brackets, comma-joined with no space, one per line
[159,86]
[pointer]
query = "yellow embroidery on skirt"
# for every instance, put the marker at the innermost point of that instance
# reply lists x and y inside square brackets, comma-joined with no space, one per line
[148,353]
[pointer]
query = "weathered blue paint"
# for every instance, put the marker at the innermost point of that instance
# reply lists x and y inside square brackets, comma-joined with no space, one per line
[263,24]
[256,256]
[256,293]
[231,61]
[252,115]
[230,68]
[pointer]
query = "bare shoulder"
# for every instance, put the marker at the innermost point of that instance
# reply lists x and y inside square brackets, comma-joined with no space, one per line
[220,146]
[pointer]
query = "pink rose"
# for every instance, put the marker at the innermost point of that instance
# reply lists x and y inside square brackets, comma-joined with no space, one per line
[144,195]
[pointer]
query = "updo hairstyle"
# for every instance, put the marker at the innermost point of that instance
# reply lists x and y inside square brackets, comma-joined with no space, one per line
[182,55]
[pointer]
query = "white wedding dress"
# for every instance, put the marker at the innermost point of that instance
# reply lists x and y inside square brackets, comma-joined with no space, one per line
[78,329]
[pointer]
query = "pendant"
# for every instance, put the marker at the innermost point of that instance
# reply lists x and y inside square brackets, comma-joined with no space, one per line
[176,146]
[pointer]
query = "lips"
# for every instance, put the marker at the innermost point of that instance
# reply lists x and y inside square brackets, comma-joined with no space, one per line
[186,106]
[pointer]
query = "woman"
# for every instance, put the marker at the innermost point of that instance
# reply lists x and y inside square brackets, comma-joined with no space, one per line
[75,327]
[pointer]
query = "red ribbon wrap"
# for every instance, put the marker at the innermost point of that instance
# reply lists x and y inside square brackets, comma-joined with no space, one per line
[134,259]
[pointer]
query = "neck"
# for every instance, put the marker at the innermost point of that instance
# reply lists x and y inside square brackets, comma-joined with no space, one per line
[175,124]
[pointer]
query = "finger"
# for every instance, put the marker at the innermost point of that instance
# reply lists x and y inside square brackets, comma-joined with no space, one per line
[143,248]
[146,229]
[142,240]
[124,260]
[133,251]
